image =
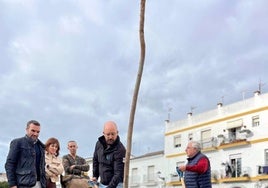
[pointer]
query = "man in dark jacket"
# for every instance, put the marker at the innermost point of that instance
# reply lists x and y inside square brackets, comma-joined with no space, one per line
[197,172]
[108,158]
[25,164]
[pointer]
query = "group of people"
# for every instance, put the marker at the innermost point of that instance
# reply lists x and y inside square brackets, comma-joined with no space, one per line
[32,164]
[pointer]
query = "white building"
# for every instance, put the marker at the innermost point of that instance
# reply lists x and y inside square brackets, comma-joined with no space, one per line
[146,170]
[3,177]
[234,135]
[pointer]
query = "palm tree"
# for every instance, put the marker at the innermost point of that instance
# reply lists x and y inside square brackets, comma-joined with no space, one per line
[135,95]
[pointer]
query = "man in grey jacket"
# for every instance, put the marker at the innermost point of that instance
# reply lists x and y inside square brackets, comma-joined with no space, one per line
[25,164]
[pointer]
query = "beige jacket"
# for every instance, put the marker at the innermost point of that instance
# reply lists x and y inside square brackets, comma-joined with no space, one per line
[54,167]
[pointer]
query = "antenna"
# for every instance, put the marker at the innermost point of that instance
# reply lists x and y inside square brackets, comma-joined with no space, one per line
[243,94]
[222,99]
[192,108]
[169,111]
[260,86]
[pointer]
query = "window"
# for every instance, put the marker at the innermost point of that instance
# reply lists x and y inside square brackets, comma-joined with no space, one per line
[233,128]
[266,156]
[177,141]
[236,165]
[206,138]
[134,177]
[232,135]
[255,121]
[264,169]
[151,174]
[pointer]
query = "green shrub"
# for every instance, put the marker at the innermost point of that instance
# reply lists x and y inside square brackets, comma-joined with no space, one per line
[3,184]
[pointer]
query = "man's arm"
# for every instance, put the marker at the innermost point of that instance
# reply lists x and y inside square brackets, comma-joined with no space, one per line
[118,167]
[95,169]
[81,165]
[66,165]
[11,163]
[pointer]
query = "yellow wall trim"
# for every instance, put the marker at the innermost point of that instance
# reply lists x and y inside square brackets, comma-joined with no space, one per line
[217,120]
[219,148]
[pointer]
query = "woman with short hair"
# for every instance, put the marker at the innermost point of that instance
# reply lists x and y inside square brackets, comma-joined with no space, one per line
[54,166]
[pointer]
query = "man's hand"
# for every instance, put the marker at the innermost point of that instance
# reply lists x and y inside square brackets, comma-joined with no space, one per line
[93,182]
[72,167]
[93,179]
[182,168]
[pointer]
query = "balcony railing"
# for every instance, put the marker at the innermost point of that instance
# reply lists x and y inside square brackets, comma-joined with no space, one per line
[262,170]
[234,143]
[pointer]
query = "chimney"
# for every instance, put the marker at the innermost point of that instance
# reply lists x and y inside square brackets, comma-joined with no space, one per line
[219,105]
[257,93]
[189,114]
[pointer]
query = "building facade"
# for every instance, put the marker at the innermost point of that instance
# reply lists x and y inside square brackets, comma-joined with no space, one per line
[147,170]
[234,137]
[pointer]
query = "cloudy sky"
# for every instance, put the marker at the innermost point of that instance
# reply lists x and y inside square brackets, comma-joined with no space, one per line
[72,65]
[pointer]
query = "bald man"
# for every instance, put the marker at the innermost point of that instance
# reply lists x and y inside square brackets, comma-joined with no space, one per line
[108,158]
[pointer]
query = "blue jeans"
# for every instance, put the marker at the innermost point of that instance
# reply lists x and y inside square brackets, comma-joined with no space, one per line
[120,185]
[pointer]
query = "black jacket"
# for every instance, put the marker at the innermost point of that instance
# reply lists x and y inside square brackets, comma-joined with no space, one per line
[20,164]
[108,162]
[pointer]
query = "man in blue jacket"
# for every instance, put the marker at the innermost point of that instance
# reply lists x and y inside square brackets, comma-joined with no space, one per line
[25,164]
[108,158]
[197,172]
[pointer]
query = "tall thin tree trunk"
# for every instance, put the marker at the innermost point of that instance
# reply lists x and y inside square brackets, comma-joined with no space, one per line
[135,95]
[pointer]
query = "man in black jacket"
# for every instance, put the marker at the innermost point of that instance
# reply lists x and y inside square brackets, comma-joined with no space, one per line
[25,164]
[108,158]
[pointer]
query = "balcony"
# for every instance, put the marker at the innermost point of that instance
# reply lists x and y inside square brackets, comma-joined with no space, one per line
[174,177]
[237,179]
[262,173]
[262,170]
[209,144]
[234,143]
